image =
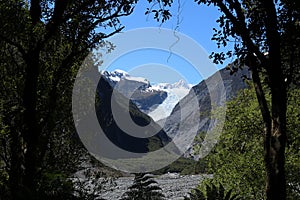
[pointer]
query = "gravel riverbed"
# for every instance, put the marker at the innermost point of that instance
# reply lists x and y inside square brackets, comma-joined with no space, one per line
[174,186]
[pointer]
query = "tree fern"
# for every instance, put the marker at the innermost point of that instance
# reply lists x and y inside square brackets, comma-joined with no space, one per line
[144,188]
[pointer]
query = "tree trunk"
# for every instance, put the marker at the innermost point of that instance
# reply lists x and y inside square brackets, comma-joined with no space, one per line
[31,131]
[24,151]
[275,122]
[275,131]
[275,137]
[274,161]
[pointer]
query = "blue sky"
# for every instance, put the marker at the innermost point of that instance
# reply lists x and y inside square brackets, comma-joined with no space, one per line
[156,65]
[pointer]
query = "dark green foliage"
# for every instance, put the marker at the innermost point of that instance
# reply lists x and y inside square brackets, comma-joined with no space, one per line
[212,192]
[144,188]
[265,37]
[237,159]
[184,166]
[55,186]
[92,185]
[42,45]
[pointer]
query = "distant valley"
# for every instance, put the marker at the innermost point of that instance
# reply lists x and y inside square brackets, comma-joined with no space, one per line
[164,102]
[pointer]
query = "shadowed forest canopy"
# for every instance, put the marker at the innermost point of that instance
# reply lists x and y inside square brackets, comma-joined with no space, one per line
[42,45]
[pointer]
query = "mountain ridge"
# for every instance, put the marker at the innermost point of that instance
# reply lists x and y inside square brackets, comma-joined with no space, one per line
[155,100]
[199,120]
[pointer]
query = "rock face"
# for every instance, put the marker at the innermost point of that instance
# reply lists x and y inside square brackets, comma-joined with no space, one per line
[186,118]
[174,186]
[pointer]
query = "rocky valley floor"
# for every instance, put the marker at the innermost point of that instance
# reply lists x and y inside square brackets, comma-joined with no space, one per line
[174,186]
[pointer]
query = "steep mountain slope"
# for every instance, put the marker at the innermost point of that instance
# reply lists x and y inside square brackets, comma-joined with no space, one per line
[188,119]
[137,89]
[118,136]
[156,100]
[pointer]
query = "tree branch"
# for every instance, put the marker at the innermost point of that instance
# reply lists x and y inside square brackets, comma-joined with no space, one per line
[241,27]
[112,16]
[263,105]
[278,86]
[60,7]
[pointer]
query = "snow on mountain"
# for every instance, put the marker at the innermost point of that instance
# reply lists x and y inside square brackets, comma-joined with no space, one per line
[181,84]
[176,92]
[157,101]
[137,89]
[117,75]
[114,76]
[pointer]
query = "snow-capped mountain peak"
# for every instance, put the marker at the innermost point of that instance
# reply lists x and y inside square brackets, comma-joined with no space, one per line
[117,75]
[114,76]
[155,100]
[182,84]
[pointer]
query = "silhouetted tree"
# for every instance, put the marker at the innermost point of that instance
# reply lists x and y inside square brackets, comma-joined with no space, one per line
[42,44]
[144,188]
[266,36]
